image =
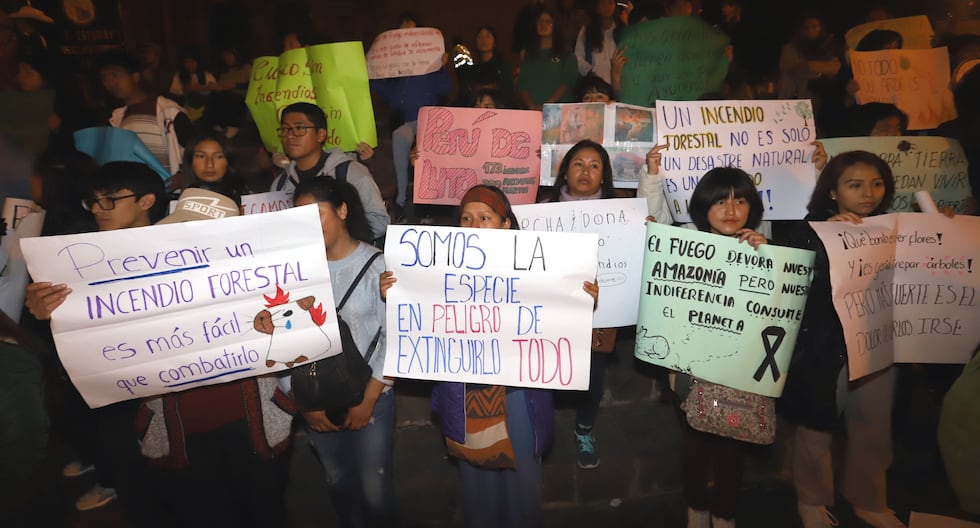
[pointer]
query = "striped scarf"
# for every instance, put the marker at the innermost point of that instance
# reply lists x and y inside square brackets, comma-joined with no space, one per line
[487,444]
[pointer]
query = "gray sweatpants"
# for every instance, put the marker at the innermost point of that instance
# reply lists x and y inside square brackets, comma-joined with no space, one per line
[867,407]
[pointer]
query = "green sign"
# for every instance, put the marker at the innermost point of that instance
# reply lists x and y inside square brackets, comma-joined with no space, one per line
[674,58]
[720,310]
[332,76]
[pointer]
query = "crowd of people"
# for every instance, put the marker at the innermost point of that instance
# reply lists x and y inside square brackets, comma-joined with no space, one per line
[214,456]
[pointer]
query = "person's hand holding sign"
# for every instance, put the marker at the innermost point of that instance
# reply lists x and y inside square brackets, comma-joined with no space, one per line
[43,298]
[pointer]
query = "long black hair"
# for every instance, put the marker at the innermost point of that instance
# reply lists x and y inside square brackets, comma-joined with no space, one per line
[328,190]
[185,76]
[718,184]
[558,48]
[594,39]
[821,202]
[605,190]
[232,182]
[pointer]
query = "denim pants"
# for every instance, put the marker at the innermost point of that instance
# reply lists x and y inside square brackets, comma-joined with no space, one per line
[358,467]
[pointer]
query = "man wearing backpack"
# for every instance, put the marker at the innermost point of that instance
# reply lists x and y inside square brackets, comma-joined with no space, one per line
[303,131]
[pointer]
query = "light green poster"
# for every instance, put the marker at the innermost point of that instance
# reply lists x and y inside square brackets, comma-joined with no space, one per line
[919,163]
[719,310]
[674,58]
[333,76]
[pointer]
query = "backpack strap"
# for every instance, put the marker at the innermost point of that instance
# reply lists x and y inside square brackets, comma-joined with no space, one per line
[350,290]
[373,345]
[357,279]
[340,171]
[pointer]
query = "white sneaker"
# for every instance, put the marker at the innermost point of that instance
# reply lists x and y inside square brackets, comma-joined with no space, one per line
[698,518]
[75,469]
[816,516]
[882,519]
[718,522]
[95,498]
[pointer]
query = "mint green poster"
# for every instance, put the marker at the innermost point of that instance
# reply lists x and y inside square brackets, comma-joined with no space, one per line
[720,310]
[332,76]
[675,58]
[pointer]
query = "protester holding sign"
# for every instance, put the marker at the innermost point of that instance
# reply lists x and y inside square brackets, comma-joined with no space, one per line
[726,203]
[498,433]
[405,96]
[356,450]
[124,194]
[852,186]
[219,448]
[303,131]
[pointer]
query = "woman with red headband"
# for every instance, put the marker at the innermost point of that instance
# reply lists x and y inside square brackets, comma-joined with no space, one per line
[501,484]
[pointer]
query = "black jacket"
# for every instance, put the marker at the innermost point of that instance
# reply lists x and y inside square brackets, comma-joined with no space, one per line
[810,395]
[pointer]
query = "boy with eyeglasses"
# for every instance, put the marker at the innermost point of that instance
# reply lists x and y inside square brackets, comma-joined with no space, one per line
[303,131]
[124,194]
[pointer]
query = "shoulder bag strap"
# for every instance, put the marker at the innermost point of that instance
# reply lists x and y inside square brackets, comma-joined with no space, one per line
[357,279]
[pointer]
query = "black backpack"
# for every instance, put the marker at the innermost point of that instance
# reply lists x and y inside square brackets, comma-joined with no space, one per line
[337,383]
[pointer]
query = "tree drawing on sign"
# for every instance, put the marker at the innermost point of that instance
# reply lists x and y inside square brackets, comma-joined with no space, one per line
[803,110]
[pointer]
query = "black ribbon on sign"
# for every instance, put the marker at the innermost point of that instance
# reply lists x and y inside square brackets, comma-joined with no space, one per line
[771,347]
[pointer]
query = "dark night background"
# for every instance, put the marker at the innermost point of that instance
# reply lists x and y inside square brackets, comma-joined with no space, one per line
[254,25]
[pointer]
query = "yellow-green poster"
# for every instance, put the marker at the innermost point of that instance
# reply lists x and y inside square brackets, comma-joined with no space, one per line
[674,58]
[332,76]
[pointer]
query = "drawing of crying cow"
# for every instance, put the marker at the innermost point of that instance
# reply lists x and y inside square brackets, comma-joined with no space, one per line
[288,325]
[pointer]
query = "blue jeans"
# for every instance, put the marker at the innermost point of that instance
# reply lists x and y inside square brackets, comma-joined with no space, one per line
[506,498]
[358,467]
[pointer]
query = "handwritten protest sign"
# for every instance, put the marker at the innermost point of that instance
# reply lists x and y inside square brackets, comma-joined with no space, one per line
[770,140]
[462,147]
[677,58]
[919,163]
[914,80]
[494,306]
[405,52]
[720,310]
[332,76]
[266,202]
[621,226]
[172,307]
[916,31]
[24,220]
[626,132]
[905,288]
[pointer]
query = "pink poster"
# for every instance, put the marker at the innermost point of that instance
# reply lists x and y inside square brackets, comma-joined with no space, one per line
[462,147]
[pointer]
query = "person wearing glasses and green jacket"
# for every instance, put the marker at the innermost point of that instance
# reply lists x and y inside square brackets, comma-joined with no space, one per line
[303,131]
